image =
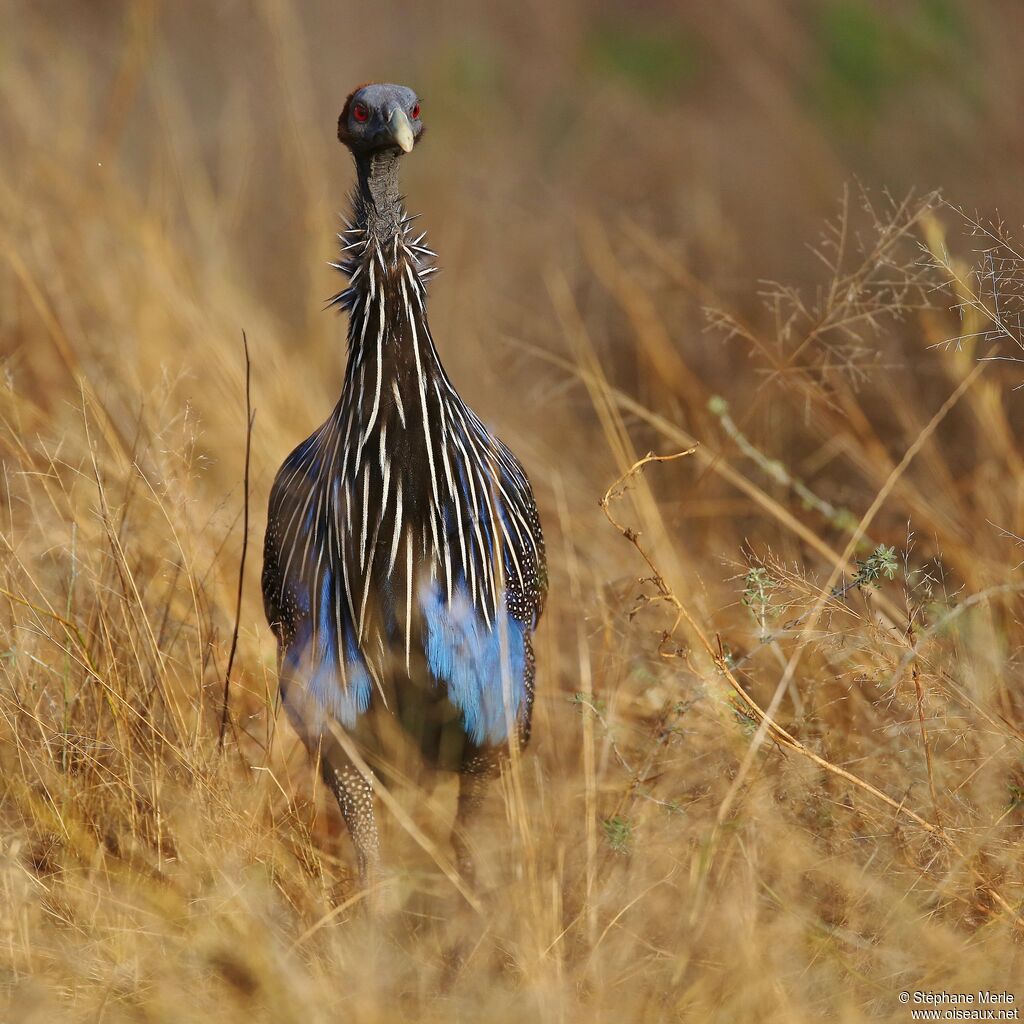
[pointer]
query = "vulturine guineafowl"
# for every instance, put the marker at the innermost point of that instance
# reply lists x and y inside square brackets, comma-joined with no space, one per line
[404,569]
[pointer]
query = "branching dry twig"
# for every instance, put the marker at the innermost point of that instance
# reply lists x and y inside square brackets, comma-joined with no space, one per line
[776,731]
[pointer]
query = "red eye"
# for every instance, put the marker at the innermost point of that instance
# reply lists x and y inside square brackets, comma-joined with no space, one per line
[360,113]
[415,111]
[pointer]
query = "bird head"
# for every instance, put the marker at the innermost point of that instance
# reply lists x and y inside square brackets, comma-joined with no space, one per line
[380,116]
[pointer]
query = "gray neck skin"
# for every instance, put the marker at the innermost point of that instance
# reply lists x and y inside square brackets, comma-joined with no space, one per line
[378,203]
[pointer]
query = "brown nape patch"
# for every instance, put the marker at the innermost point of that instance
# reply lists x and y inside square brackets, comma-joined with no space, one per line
[343,135]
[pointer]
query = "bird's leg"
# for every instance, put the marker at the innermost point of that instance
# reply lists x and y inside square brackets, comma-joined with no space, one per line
[351,788]
[476,774]
[354,793]
[479,767]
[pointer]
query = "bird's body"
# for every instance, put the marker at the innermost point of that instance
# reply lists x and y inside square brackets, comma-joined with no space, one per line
[404,561]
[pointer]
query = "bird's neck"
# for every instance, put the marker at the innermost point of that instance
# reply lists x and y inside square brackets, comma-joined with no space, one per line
[378,203]
[387,267]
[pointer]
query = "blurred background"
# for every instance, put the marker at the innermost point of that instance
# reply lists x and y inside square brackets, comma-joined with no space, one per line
[659,225]
[727,131]
[702,148]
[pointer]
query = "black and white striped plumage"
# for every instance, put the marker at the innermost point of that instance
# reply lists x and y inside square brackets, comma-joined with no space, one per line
[403,539]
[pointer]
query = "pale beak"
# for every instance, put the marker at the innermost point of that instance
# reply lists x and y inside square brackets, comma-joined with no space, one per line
[401,130]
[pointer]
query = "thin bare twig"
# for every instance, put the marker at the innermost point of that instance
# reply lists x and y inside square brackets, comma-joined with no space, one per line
[249,416]
[926,744]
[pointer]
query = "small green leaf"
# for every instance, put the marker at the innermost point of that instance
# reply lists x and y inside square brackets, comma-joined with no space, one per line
[618,833]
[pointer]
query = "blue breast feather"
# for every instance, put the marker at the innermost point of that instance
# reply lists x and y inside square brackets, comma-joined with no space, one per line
[479,664]
[343,692]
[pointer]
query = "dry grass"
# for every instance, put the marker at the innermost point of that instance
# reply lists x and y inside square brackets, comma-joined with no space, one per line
[777,772]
